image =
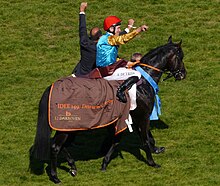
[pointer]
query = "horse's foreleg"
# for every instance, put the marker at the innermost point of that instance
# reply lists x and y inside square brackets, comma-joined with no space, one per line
[151,141]
[154,149]
[107,158]
[58,141]
[144,134]
[148,151]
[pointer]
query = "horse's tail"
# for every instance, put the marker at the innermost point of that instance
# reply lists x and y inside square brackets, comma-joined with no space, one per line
[41,149]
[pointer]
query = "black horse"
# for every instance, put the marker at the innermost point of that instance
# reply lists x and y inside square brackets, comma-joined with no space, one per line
[166,58]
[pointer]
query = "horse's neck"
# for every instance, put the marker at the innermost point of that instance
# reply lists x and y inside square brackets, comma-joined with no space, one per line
[157,58]
[159,64]
[154,74]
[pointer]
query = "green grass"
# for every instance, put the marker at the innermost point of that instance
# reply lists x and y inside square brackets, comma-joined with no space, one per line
[39,43]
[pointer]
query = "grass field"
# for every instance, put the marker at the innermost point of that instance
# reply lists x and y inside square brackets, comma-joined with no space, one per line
[39,43]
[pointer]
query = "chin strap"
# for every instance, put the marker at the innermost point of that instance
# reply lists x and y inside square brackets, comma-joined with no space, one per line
[169,75]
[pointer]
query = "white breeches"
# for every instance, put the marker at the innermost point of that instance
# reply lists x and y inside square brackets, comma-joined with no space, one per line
[123,74]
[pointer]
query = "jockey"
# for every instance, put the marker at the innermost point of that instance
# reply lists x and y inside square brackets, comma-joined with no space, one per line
[107,52]
[88,43]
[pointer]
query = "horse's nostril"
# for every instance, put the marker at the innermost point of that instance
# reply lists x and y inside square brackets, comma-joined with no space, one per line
[183,76]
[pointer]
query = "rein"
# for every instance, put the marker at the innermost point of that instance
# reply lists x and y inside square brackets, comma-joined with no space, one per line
[169,74]
[149,66]
[145,65]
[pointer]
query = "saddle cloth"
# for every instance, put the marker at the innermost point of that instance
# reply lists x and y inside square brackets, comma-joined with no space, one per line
[82,104]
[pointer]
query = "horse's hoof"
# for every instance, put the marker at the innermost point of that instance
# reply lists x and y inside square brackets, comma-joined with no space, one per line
[103,169]
[52,178]
[73,172]
[55,180]
[157,166]
[158,150]
[153,164]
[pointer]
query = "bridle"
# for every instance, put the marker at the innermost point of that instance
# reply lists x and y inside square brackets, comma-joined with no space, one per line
[169,74]
[176,72]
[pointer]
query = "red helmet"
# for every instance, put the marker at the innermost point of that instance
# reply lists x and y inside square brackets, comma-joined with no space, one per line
[110,21]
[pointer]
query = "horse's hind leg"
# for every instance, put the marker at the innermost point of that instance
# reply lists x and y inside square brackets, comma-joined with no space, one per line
[57,144]
[107,143]
[107,158]
[71,162]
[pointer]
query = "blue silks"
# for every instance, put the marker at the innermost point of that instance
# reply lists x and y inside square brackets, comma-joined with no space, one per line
[157,104]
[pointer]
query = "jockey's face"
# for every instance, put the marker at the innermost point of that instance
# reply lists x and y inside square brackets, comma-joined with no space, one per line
[117,30]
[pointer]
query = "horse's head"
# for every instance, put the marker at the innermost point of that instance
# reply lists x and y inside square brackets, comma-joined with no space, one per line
[166,58]
[175,63]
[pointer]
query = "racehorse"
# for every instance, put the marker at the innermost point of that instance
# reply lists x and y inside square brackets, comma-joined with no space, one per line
[163,59]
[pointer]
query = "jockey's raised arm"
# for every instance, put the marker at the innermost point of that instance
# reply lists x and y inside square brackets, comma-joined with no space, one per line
[107,53]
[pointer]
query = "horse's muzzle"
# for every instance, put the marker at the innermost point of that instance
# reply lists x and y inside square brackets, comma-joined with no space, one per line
[180,75]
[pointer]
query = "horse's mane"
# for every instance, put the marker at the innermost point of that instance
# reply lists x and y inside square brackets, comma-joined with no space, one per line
[156,53]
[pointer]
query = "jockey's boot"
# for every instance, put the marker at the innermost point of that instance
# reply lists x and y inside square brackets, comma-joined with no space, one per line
[126,85]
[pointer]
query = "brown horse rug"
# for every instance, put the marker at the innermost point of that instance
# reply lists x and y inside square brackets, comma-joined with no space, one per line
[82,104]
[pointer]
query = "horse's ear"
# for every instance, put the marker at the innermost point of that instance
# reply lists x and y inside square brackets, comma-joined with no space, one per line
[170,39]
[179,44]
